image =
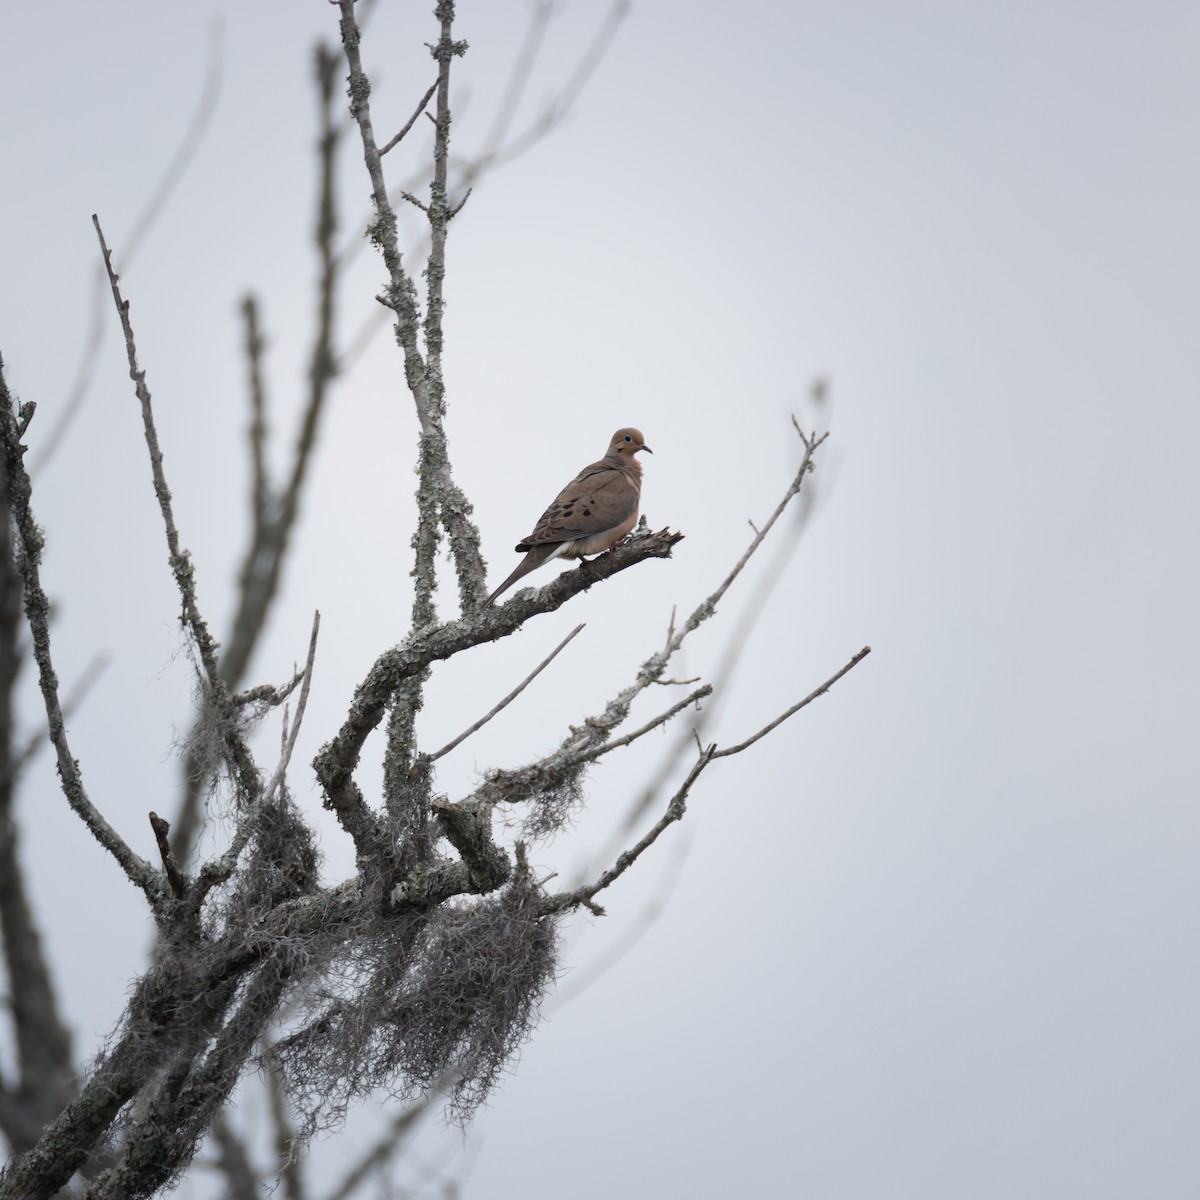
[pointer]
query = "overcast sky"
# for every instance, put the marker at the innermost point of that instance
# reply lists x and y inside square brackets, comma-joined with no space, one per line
[934,938]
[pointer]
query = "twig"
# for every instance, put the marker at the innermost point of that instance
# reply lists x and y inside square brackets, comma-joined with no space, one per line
[268,694]
[411,120]
[26,413]
[220,869]
[287,1151]
[459,206]
[654,668]
[261,488]
[810,448]
[217,693]
[181,565]
[696,696]
[415,202]
[440,501]
[179,884]
[779,720]
[286,755]
[676,807]
[509,698]
[37,608]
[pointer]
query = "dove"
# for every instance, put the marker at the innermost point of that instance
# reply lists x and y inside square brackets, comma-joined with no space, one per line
[592,513]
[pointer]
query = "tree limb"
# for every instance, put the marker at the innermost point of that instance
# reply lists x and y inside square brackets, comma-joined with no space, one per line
[37,610]
[779,720]
[462,737]
[676,807]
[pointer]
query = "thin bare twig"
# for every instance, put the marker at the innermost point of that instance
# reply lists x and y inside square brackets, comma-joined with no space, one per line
[695,697]
[810,448]
[286,756]
[462,737]
[268,693]
[411,120]
[779,720]
[459,206]
[181,564]
[255,345]
[676,807]
[287,1151]
[220,869]
[415,202]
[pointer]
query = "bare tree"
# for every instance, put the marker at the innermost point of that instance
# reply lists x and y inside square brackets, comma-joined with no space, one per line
[426,969]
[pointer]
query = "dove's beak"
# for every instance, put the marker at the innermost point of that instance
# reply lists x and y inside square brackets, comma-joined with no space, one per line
[646,448]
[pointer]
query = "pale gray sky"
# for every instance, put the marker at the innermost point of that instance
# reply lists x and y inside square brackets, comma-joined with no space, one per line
[936,937]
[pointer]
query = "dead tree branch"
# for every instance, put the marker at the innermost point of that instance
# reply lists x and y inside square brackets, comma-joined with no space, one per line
[37,612]
[433,87]
[791,712]
[42,1077]
[441,503]
[676,807]
[180,560]
[466,733]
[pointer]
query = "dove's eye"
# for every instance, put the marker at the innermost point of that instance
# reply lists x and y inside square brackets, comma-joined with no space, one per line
[628,438]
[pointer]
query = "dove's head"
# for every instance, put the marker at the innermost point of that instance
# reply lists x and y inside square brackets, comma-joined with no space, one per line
[626,443]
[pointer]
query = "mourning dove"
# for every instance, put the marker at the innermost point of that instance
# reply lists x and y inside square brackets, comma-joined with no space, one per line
[592,513]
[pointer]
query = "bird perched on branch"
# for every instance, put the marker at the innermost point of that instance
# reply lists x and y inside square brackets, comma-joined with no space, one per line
[592,513]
